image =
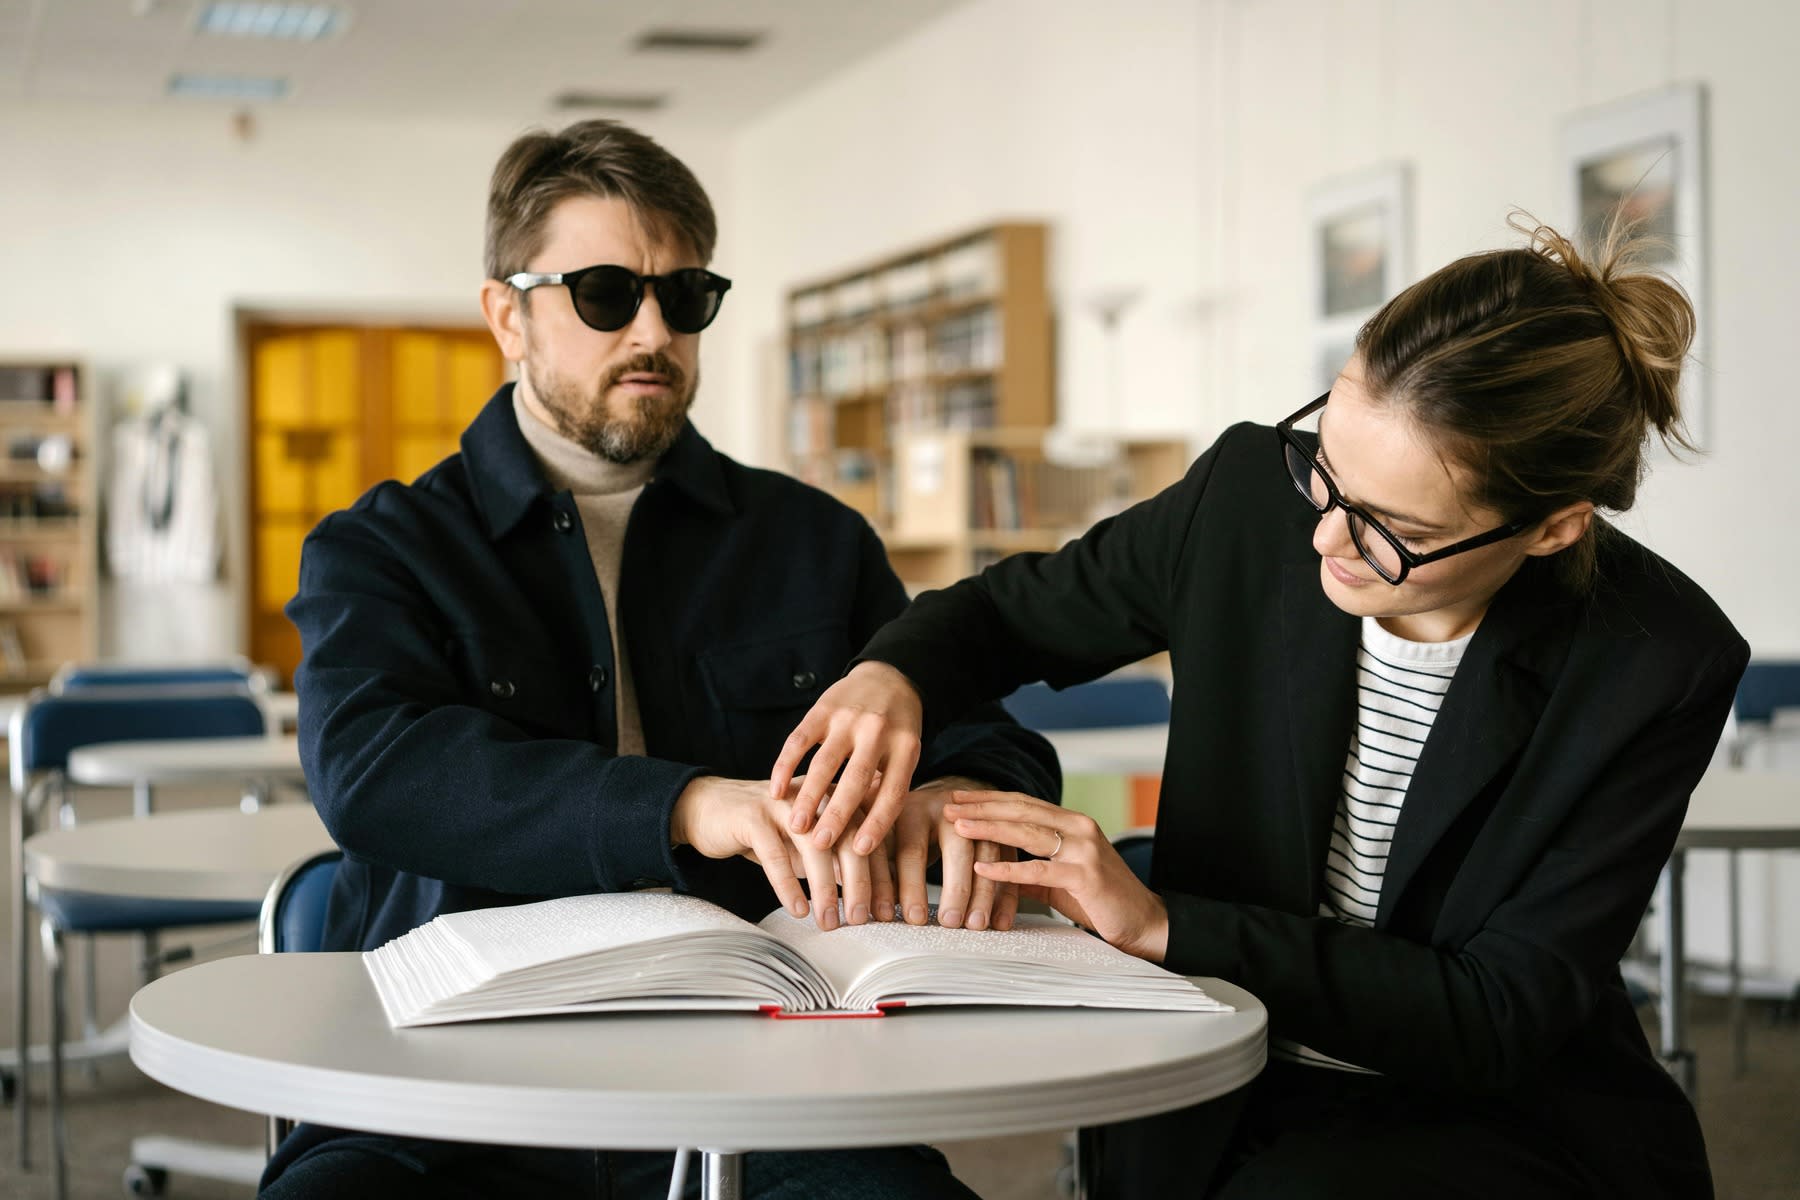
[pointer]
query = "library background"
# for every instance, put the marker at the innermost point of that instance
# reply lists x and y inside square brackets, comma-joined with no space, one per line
[1000,269]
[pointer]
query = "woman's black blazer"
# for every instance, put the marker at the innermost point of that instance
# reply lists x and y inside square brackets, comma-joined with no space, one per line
[1543,805]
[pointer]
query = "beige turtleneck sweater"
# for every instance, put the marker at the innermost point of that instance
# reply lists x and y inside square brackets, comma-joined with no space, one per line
[604,493]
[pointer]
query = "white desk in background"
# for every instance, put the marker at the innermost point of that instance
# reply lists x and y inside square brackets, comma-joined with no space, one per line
[303,1036]
[1729,810]
[1125,750]
[255,763]
[199,854]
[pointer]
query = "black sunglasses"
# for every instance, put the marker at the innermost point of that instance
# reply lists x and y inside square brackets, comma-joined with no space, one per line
[1384,550]
[607,297]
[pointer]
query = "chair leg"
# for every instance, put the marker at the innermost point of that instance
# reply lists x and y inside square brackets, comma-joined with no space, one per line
[53,960]
[90,988]
[21,983]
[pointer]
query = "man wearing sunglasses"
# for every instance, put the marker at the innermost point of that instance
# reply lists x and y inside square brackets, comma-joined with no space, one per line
[562,660]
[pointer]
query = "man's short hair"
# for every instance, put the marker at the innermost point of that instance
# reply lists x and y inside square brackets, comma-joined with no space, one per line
[590,158]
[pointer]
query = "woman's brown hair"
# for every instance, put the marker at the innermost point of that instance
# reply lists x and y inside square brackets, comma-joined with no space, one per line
[1541,373]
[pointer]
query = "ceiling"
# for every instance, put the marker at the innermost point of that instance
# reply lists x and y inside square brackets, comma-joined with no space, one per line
[480,59]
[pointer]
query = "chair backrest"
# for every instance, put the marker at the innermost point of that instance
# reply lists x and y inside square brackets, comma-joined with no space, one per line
[293,913]
[75,675]
[1101,704]
[48,726]
[293,920]
[1768,684]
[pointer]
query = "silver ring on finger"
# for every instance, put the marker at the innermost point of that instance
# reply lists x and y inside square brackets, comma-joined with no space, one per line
[1051,857]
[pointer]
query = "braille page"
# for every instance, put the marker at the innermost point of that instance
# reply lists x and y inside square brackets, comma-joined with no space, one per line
[529,935]
[582,953]
[1039,961]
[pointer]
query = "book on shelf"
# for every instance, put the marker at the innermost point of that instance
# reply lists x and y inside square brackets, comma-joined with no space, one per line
[654,951]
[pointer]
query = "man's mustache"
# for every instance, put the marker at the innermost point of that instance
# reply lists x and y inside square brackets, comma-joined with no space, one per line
[648,364]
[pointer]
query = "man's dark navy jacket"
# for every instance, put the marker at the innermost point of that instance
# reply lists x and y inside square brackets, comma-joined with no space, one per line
[457,712]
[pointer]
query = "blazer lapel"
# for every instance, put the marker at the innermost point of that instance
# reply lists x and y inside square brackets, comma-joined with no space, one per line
[1319,670]
[1493,705]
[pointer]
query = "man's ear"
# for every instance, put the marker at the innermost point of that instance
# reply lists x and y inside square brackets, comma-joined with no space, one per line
[502,305]
[1561,529]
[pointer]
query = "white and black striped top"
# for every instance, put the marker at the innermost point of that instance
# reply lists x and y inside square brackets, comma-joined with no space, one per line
[1399,687]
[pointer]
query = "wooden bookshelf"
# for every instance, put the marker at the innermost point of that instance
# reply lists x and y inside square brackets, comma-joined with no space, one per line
[48,543]
[966,499]
[920,394]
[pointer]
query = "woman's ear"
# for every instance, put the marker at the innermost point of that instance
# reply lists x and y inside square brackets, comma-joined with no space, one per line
[1561,529]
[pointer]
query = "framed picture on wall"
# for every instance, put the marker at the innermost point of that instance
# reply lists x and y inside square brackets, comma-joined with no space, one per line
[1644,159]
[1360,232]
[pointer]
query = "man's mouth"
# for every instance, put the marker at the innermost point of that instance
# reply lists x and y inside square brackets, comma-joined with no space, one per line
[640,379]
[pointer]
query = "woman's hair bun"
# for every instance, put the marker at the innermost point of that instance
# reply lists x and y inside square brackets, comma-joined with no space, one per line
[1651,317]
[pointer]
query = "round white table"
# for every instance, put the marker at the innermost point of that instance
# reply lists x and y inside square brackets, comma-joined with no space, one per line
[1729,810]
[1126,750]
[303,1036]
[200,854]
[187,760]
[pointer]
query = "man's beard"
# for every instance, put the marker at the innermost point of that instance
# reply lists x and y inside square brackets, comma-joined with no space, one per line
[585,417]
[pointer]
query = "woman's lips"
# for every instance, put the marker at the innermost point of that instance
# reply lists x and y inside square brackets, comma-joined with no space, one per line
[1344,576]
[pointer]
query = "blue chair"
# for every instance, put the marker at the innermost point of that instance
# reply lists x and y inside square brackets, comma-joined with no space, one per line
[293,920]
[234,671]
[1110,703]
[1768,686]
[45,730]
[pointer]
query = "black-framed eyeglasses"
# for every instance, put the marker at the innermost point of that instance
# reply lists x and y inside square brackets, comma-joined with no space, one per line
[1380,546]
[607,297]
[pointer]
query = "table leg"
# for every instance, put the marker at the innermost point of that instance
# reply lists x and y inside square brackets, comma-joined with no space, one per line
[143,804]
[721,1175]
[1739,1046]
[1677,1058]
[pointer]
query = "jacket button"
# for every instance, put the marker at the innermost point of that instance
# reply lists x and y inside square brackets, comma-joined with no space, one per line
[502,689]
[804,680]
[562,521]
[596,679]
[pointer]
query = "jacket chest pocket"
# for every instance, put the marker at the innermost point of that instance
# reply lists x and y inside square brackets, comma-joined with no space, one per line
[538,694]
[761,689]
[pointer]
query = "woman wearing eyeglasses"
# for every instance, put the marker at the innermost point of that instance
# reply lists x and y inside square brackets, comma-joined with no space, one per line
[1435,725]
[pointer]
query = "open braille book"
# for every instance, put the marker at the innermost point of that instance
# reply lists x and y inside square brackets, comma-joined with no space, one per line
[652,951]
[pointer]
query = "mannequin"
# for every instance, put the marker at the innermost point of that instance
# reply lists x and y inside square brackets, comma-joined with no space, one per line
[162,506]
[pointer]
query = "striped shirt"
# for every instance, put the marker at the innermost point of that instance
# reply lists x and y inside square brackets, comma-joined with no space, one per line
[1399,688]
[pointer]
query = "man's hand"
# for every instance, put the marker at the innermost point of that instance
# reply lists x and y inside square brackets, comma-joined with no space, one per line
[967,898]
[870,723]
[1077,871]
[725,818]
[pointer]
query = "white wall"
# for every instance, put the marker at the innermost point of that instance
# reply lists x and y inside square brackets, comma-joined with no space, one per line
[1172,146]
[132,236]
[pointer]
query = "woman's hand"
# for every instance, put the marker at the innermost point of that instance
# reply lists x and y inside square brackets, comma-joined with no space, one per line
[1077,871]
[869,723]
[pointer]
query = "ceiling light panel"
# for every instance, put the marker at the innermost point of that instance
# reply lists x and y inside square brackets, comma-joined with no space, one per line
[279,22]
[228,87]
[618,101]
[699,41]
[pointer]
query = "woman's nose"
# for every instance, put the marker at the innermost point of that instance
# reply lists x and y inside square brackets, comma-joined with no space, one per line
[1331,536]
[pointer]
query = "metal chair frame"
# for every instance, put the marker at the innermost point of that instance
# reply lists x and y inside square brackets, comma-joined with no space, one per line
[39,785]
